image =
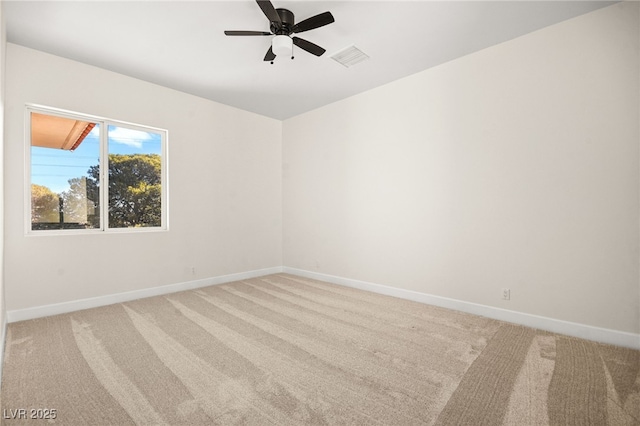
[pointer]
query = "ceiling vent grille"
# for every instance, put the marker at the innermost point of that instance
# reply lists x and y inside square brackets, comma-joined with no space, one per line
[350,56]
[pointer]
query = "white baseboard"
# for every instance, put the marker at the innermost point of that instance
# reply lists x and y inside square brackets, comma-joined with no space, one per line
[94,302]
[603,335]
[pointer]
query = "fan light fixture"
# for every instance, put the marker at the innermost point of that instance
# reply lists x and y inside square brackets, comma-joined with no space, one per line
[282,45]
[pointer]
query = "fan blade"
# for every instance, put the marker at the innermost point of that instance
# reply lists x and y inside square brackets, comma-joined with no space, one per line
[314,22]
[269,11]
[247,33]
[270,56]
[308,46]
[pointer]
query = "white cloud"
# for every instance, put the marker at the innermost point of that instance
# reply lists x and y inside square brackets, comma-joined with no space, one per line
[94,133]
[129,137]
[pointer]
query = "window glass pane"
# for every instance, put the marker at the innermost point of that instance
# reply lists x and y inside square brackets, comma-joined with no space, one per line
[135,178]
[65,173]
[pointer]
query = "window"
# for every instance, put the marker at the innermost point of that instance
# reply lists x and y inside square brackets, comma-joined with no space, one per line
[93,174]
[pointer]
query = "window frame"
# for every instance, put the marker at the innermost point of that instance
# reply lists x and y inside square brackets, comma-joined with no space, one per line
[104,124]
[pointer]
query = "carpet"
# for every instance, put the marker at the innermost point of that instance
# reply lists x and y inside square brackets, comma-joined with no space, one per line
[286,350]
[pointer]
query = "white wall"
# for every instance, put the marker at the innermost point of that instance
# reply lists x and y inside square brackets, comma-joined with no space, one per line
[224,188]
[516,166]
[3,312]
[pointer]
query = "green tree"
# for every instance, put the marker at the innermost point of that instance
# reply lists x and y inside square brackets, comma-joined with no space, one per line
[135,188]
[44,205]
[81,202]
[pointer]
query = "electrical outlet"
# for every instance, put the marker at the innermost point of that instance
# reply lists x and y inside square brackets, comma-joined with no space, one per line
[506,294]
[193,270]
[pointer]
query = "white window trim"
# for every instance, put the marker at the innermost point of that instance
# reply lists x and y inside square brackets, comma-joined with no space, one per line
[104,154]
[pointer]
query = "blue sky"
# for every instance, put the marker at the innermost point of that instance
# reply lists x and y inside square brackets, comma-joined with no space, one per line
[54,167]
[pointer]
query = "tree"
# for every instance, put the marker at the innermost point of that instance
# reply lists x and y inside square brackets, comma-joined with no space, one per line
[135,189]
[81,202]
[44,205]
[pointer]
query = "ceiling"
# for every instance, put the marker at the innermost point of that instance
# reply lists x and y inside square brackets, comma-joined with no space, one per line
[181,44]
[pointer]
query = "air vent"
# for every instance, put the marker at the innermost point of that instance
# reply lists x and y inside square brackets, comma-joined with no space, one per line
[350,56]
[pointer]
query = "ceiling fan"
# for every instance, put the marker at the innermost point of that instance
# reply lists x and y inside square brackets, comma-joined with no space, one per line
[282,25]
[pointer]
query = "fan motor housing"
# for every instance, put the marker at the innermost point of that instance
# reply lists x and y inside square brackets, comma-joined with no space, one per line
[288,20]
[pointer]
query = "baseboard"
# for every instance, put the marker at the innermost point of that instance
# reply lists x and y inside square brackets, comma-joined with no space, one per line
[94,302]
[603,335]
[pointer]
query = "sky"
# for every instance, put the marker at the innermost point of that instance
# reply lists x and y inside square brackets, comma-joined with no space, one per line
[54,167]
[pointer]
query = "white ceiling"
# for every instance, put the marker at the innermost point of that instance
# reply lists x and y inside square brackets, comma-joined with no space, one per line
[181,44]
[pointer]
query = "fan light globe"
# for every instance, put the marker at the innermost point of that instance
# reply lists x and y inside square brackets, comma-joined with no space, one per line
[282,45]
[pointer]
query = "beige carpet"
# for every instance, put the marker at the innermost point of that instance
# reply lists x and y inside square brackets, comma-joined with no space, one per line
[287,350]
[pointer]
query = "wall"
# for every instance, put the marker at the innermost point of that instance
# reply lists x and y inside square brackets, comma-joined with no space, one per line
[513,167]
[3,312]
[224,188]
